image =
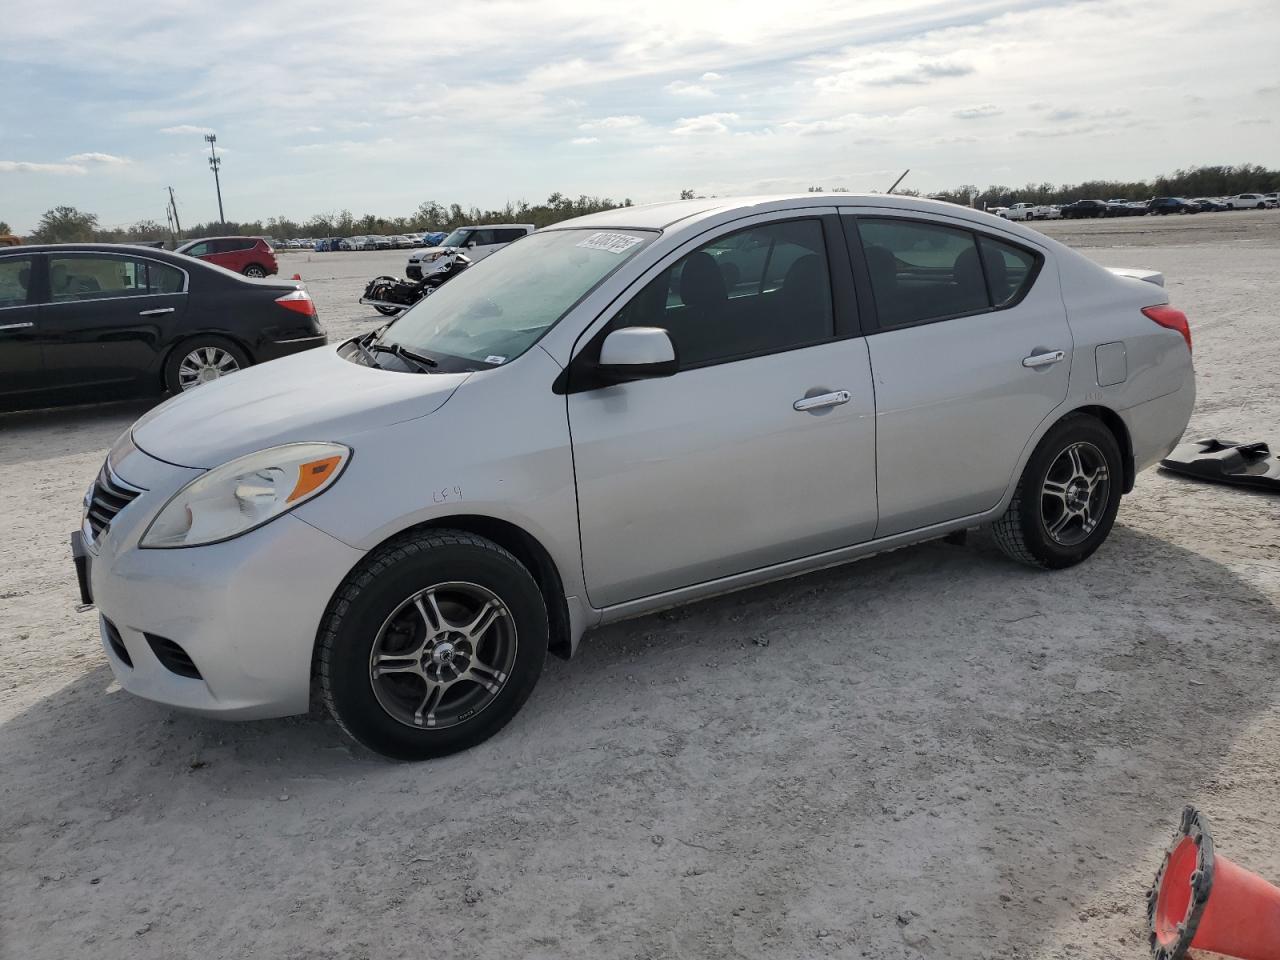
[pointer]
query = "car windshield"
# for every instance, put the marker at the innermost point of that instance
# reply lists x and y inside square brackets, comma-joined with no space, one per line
[456,239]
[497,309]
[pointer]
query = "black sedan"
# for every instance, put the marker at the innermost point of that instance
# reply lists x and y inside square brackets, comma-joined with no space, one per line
[1083,209]
[96,321]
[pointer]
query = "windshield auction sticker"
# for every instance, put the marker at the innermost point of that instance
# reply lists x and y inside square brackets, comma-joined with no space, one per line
[613,242]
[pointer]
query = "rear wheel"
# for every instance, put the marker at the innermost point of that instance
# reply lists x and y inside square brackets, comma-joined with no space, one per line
[201,360]
[432,645]
[386,311]
[1067,497]
[254,270]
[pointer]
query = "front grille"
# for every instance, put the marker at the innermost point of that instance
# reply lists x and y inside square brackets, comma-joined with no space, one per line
[109,496]
[173,657]
[117,646]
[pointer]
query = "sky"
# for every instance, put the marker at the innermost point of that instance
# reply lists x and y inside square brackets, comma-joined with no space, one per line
[376,107]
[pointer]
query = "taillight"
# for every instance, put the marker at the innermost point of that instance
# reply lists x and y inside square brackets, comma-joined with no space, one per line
[298,301]
[1170,318]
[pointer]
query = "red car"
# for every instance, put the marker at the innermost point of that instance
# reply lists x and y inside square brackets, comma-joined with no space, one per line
[251,256]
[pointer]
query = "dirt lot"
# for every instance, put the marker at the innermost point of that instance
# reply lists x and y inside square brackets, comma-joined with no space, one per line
[933,753]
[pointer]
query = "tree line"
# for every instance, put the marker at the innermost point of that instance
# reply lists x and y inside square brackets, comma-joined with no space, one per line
[68,225]
[1214,181]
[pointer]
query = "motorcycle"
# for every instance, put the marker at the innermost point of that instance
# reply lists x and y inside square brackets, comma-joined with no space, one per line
[392,295]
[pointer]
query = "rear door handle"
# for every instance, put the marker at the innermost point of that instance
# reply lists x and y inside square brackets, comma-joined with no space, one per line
[1043,359]
[833,399]
[156,312]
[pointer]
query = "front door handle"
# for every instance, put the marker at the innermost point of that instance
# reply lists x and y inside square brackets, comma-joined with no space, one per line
[156,312]
[1044,359]
[16,326]
[833,399]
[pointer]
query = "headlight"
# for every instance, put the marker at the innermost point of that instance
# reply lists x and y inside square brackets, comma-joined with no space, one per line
[243,494]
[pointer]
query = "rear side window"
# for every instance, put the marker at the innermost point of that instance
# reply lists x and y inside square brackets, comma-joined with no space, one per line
[507,236]
[15,281]
[922,271]
[1009,269]
[760,290]
[162,278]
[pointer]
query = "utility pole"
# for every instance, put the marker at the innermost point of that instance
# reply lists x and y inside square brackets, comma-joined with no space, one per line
[214,164]
[173,205]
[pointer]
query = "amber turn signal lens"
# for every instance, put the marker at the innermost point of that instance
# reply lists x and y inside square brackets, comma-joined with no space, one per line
[312,474]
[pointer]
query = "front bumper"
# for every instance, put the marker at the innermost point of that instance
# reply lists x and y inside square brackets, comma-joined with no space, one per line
[245,612]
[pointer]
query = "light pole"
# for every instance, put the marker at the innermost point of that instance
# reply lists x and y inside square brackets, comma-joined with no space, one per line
[214,164]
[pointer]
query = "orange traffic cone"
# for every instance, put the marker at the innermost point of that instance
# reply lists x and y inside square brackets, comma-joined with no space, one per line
[1202,905]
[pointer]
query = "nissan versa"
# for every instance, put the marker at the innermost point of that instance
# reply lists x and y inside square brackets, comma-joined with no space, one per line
[621,413]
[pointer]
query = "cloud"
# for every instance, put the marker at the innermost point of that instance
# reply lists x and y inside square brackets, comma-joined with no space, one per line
[583,141]
[1061,116]
[682,89]
[103,158]
[183,129]
[707,123]
[23,166]
[623,122]
[923,73]
[979,112]
[1079,130]
[711,76]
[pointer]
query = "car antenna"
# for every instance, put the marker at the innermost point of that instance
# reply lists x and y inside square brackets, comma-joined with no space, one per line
[899,180]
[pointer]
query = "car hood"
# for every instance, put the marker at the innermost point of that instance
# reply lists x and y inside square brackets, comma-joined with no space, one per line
[315,395]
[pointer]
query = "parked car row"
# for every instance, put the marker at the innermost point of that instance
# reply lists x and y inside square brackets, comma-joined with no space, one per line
[1120,207]
[399,241]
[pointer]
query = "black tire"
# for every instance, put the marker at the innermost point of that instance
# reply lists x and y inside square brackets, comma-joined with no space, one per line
[1023,532]
[254,270]
[387,311]
[365,607]
[173,365]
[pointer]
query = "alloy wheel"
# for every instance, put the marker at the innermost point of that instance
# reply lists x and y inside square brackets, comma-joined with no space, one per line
[254,271]
[1075,492]
[204,364]
[443,655]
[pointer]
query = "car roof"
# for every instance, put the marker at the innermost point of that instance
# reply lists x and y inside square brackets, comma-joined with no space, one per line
[672,213]
[95,248]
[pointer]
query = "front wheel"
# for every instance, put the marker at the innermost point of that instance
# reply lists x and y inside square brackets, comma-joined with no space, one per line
[431,645]
[1067,497]
[386,311]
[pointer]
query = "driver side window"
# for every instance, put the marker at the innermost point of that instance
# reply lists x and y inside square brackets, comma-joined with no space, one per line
[761,290]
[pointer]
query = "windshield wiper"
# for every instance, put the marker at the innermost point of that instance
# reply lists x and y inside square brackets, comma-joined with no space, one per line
[424,364]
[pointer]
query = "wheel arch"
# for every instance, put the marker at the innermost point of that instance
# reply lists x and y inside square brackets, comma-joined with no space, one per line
[526,548]
[1115,423]
[186,338]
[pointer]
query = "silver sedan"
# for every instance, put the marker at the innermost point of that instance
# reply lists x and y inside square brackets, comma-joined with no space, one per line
[616,414]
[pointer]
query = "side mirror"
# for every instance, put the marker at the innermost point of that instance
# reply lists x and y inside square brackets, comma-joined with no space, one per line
[637,353]
[471,244]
